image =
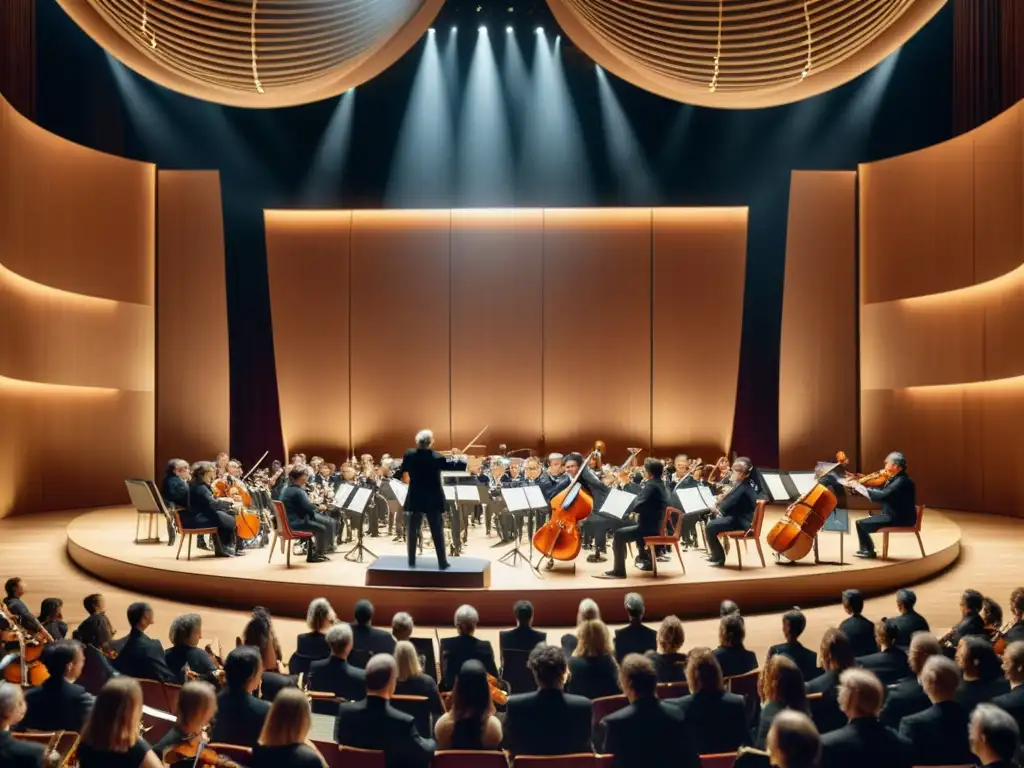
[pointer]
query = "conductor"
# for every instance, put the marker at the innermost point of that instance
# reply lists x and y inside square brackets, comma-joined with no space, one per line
[422,467]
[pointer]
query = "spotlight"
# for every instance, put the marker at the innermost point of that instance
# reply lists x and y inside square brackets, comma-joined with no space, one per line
[454,30]
[482,30]
[508,30]
[432,30]
[540,30]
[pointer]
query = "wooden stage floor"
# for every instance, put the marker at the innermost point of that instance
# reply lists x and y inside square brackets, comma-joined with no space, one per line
[100,541]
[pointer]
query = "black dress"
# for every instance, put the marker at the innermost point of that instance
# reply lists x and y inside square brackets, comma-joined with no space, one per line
[96,758]
[593,676]
[288,756]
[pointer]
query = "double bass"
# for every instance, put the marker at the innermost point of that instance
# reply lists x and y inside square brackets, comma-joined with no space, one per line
[559,538]
[793,536]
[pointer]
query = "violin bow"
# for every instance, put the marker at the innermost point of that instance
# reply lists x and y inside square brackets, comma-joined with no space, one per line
[254,466]
[472,442]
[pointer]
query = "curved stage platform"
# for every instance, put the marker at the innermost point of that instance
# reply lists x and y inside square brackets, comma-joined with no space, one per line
[100,541]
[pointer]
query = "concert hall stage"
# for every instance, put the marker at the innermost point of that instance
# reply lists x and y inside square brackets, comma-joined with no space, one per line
[100,541]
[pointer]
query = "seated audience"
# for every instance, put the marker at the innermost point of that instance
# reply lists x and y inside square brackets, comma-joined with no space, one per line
[335,674]
[909,620]
[908,697]
[836,658]
[669,660]
[402,626]
[456,651]
[95,634]
[1016,632]
[367,639]
[523,637]
[994,737]
[58,704]
[470,722]
[890,664]
[648,730]
[715,721]
[1013,668]
[320,617]
[110,738]
[858,630]
[529,717]
[863,741]
[197,705]
[634,637]
[780,686]
[259,633]
[732,656]
[95,605]
[982,672]
[793,741]
[588,610]
[971,623]
[141,656]
[593,672]
[14,753]
[51,618]
[240,714]
[284,741]
[992,618]
[374,724]
[413,682]
[185,634]
[939,733]
[793,625]
[727,607]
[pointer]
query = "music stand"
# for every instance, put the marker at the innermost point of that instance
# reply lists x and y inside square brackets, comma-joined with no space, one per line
[774,483]
[467,496]
[517,506]
[538,504]
[693,502]
[357,504]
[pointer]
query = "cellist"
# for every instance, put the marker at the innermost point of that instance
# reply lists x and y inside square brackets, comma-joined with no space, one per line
[735,508]
[591,527]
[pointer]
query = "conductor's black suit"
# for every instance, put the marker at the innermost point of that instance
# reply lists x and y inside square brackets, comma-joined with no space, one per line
[426,497]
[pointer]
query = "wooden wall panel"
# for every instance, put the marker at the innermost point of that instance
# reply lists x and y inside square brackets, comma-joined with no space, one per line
[308,258]
[399,334]
[694,395]
[999,195]
[818,356]
[597,343]
[497,290]
[193,404]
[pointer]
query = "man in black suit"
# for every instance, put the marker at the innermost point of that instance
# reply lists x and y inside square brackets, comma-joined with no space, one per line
[890,664]
[303,515]
[140,656]
[422,467]
[1013,668]
[649,507]
[715,721]
[374,724]
[554,478]
[1016,632]
[858,630]
[240,715]
[634,637]
[971,622]
[863,741]
[793,625]
[647,730]
[530,717]
[456,651]
[14,753]
[736,509]
[334,673]
[15,590]
[939,733]
[909,621]
[898,500]
[908,697]
[367,639]
[58,704]
[186,631]
[994,737]
[523,637]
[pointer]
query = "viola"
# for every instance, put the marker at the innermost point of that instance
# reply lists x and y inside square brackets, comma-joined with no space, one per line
[195,748]
[871,480]
[559,538]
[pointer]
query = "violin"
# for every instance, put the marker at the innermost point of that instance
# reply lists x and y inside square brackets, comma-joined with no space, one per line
[195,748]
[871,480]
[29,670]
[559,538]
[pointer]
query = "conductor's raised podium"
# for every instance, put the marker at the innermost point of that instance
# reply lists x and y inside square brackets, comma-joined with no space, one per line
[463,573]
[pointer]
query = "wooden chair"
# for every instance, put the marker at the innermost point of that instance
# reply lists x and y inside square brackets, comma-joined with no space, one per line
[724,760]
[672,521]
[515,672]
[324,702]
[745,685]
[673,690]
[240,755]
[468,758]
[353,757]
[163,696]
[148,504]
[416,706]
[914,529]
[605,705]
[752,533]
[284,534]
[428,659]
[188,533]
[66,745]
[580,760]
[332,754]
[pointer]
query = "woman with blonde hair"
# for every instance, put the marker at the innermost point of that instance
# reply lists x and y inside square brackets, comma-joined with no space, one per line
[197,704]
[669,660]
[412,682]
[593,671]
[110,738]
[588,610]
[284,741]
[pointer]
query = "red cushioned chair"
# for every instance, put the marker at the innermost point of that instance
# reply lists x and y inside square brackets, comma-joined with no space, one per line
[188,533]
[605,705]
[284,534]
[725,760]
[914,529]
[468,758]
[673,690]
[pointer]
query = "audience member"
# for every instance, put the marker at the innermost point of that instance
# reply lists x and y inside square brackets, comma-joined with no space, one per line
[197,705]
[780,686]
[836,657]
[413,682]
[185,634]
[982,672]
[284,741]
[335,674]
[994,737]
[890,664]
[863,741]
[593,671]
[908,697]
[909,620]
[939,733]
[523,637]
[320,617]
[456,651]
[858,630]
[634,637]
[793,741]
[971,622]
[1016,632]
[110,738]
[59,704]
[374,724]
[14,753]
[14,590]
[140,656]
[402,626]
[95,634]
[96,609]
[240,714]
[715,721]
[732,656]
[727,607]
[530,717]
[1013,668]
[470,722]
[367,639]
[793,625]
[51,618]
[669,660]
[991,617]
[259,633]
[588,610]
[648,730]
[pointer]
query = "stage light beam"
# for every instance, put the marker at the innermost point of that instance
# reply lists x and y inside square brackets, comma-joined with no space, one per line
[626,155]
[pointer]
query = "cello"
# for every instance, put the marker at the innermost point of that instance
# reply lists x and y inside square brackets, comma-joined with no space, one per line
[559,538]
[247,523]
[793,536]
[28,670]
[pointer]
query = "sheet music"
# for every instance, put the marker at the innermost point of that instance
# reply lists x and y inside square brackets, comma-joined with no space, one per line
[400,489]
[776,488]
[691,500]
[159,714]
[467,493]
[450,473]
[707,496]
[535,497]
[617,503]
[358,501]
[515,499]
[449,492]
[803,481]
[343,494]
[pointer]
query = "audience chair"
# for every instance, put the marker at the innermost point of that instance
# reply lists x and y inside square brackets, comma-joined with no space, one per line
[425,649]
[914,529]
[284,534]
[468,758]
[746,686]
[673,690]
[299,665]
[515,672]
[353,757]
[324,702]
[724,760]
[416,706]
[188,533]
[581,760]
[752,533]
[149,504]
[331,753]
[673,518]
[605,705]
[162,696]
[358,657]
[240,755]
[66,745]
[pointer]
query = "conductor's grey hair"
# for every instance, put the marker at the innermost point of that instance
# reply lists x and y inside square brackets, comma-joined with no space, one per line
[424,438]
[466,619]
[10,695]
[898,459]
[339,637]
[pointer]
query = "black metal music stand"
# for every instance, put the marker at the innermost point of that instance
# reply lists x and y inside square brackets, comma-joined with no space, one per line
[518,507]
[357,504]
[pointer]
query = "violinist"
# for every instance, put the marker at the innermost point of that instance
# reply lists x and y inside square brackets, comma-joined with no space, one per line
[15,590]
[303,515]
[898,500]
[58,704]
[111,738]
[735,508]
[649,508]
[185,745]
[496,507]
[204,511]
[184,652]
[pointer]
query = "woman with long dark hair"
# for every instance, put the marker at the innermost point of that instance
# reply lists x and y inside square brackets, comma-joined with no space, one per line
[470,722]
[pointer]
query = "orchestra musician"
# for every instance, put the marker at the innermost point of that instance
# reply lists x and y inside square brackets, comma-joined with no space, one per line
[303,515]
[593,526]
[348,480]
[735,509]
[425,497]
[649,508]
[204,511]
[174,489]
[898,499]
[221,463]
[554,480]
[496,508]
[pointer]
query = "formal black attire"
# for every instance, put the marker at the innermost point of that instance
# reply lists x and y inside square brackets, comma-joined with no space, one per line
[596,526]
[175,491]
[303,516]
[198,661]
[20,611]
[939,735]
[551,486]
[206,511]
[971,624]
[288,756]
[634,638]
[908,623]
[96,758]
[1015,633]
[339,677]
[805,659]
[240,718]
[971,693]
[97,670]
[861,634]
[899,508]
[769,710]
[644,733]
[374,724]
[902,700]
[547,722]
[143,657]
[735,661]
[20,754]
[456,651]
[736,513]
[670,667]
[423,685]
[312,645]
[593,676]
[58,629]
[272,683]
[865,742]
[1013,703]
[367,641]
[890,666]
[521,638]
[825,711]
[56,705]
[715,721]
[425,498]
[649,508]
